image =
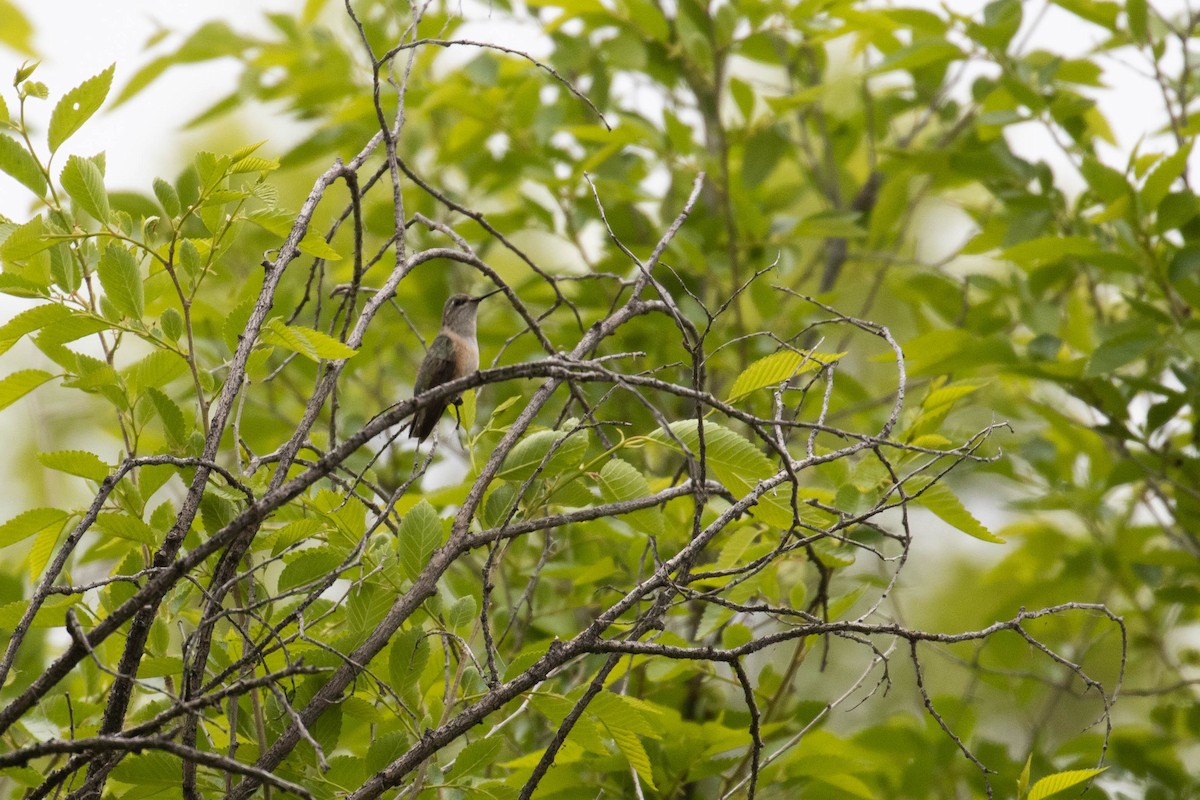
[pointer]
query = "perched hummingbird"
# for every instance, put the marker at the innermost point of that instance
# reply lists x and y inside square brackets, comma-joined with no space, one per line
[454,354]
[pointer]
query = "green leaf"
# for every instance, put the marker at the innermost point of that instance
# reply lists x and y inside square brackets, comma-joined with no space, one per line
[17,162]
[526,456]
[77,106]
[30,522]
[26,241]
[830,224]
[921,53]
[294,532]
[305,341]
[777,368]
[941,501]
[152,769]
[420,534]
[313,244]
[309,565]
[16,32]
[635,753]
[122,280]
[76,462]
[1053,784]
[499,504]
[156,370]
[85,184]
[168,198]
[1165,172]
[124,526]
[253,164]
[1050,249]
[1137,13]
[474,756]
[29,321]
[407,659]
[620,480]
[41,550]
[171,416]
[1119,350]
[736,463]
[1100,12]
[172,324]
[21,383]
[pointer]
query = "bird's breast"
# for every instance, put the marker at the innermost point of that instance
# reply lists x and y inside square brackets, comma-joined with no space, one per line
[466,354]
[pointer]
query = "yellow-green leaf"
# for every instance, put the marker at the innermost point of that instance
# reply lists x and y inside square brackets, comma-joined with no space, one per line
[85,184]
[941,501]
[17,162]
[735,462]
[420,534]
[77,105]
[1053,784]
[27,523]
[620,480]
[76,462]
[313,244]
[122,280]
[777,368]
[305,341]
[21,383]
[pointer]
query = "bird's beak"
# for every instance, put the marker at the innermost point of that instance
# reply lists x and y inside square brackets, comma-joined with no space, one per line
[488,294]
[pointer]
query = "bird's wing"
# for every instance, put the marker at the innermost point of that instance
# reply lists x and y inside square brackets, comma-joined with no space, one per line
[436,369]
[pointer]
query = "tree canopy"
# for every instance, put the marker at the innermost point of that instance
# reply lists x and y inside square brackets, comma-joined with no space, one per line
[834,437]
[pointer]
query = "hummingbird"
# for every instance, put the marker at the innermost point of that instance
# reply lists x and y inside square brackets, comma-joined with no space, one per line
[454,354]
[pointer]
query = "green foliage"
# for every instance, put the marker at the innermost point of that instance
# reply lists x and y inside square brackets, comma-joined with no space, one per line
[800,492]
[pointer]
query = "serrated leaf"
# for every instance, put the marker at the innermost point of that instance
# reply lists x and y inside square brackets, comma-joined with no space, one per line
[384,749]
[27,523]
[777,368]
[462,613]
[150,769]
[85,184]
[155,370]
[168,198]
[620,480]
[1053,784]
[635,753]
[122,280]
[42,549]
[941,501]
[254,164]
[307,342]
[309,565]
[171,416]
[736,463]
[29,321]
[499,504]
[17,162]
[27,240]
[76,462]
[420,534]
[313,244]
[19,384]
[294,532]
[407,659]
[527,455]
[477,754]
[125,526]
[77,106]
